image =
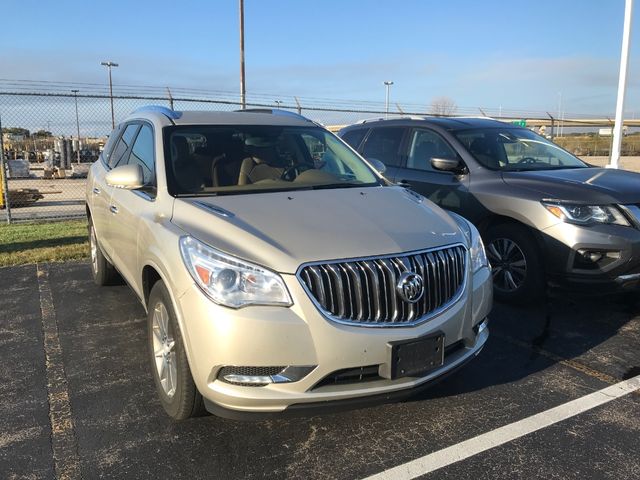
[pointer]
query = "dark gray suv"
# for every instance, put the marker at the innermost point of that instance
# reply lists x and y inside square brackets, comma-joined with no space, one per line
[543,213]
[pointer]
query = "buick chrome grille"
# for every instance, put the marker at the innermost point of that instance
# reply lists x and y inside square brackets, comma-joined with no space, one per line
[370,291]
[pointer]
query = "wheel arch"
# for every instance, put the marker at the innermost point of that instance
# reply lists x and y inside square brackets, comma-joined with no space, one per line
[495,220]
[151,274]
[150,277]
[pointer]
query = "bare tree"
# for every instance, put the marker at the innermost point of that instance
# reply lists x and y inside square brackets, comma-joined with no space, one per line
[443,106]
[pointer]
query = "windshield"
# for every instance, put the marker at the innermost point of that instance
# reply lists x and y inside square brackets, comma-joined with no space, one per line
[515,149]
[215,160]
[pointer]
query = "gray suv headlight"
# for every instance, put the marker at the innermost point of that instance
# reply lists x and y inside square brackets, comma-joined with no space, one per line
[477,252]
[587,214]
[230,281]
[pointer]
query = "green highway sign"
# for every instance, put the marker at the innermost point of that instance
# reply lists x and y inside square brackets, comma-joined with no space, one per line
[520,123]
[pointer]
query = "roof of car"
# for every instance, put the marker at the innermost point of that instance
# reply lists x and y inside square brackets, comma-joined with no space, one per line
[448,123]
[210,117]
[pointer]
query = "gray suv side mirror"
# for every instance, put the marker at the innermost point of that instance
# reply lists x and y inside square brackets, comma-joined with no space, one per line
[128,177]
[447,164]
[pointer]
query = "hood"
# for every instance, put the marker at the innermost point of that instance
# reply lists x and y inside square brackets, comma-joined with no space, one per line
[590,185]
[282,230]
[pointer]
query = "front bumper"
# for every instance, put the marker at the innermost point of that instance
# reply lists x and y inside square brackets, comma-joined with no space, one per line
[217,337]
[563,242]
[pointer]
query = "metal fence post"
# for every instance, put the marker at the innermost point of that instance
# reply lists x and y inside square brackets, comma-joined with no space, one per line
[3,177]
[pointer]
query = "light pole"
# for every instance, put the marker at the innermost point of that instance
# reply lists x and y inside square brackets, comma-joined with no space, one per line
[75,95]
[110,64]
[278,102]
[622,85]
[387,85]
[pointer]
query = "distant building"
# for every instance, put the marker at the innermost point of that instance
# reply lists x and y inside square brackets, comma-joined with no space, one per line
[13,137]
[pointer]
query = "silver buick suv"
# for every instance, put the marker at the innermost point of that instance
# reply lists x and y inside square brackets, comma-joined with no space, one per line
[280,271]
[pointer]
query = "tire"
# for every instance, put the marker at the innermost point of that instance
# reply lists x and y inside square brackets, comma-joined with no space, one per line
[168,360]
[102,271]
[516,264]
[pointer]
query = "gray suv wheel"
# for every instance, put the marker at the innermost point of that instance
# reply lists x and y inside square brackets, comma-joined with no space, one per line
[515,263]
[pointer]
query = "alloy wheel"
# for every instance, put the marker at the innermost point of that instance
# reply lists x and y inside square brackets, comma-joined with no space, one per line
[508,264]
[164,350]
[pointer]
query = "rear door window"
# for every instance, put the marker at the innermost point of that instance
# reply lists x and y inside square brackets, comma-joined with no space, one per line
[111,142]
[384,144]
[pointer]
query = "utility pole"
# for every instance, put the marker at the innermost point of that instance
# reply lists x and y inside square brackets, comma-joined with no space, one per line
[387,85]
[110,64]
[622,85]
[299,106]
[243,92]
[75,95]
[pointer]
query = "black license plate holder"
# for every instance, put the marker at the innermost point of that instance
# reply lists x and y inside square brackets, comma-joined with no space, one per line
[416,357]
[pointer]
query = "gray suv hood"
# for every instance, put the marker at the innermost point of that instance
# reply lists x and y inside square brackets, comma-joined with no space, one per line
[591,185]
[282,230]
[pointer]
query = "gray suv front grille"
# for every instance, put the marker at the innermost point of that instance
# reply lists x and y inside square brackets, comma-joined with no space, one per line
[364,291]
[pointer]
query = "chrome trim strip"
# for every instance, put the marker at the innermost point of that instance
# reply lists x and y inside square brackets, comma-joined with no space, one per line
[422,319]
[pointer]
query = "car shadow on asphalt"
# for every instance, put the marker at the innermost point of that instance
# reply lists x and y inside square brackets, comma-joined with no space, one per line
[121,430]
[590,334]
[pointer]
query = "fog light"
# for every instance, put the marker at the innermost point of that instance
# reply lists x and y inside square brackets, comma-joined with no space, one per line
[261,376]
[594,259]
[591,256]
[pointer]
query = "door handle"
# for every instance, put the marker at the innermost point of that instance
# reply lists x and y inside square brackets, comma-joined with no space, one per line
[96,191]
[113,209]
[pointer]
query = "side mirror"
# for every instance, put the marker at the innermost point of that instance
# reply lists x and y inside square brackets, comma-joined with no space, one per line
[377,165]
[128,177]
[447,164]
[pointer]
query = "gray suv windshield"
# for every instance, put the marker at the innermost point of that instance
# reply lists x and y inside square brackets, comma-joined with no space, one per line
[211,160]
[516,149]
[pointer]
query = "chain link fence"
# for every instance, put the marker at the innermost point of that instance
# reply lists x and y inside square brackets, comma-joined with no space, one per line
[51,137]
[48,145]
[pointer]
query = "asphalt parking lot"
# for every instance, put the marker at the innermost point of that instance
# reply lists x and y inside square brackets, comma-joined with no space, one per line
[78,399]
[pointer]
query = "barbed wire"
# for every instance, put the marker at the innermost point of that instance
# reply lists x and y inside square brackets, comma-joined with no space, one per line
[17,86]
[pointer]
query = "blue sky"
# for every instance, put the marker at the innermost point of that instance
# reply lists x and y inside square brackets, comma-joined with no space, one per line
[515,54]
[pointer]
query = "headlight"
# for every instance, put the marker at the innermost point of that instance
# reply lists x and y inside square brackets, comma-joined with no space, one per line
[476,247]
[477,252]
[587,214]
[230,281]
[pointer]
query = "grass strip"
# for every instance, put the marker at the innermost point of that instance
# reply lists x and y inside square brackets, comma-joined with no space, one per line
[25,243]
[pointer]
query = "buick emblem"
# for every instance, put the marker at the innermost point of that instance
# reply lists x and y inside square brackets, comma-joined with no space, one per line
[410,287]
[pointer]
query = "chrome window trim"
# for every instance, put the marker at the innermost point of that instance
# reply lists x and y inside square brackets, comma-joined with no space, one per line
[144,195]
[430,315]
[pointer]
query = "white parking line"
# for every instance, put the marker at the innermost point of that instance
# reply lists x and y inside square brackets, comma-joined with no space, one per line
[507,433]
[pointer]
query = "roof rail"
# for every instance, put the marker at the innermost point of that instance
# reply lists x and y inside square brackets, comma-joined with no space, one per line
[167,112]
[395,117]
[373,119]
[276,111]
